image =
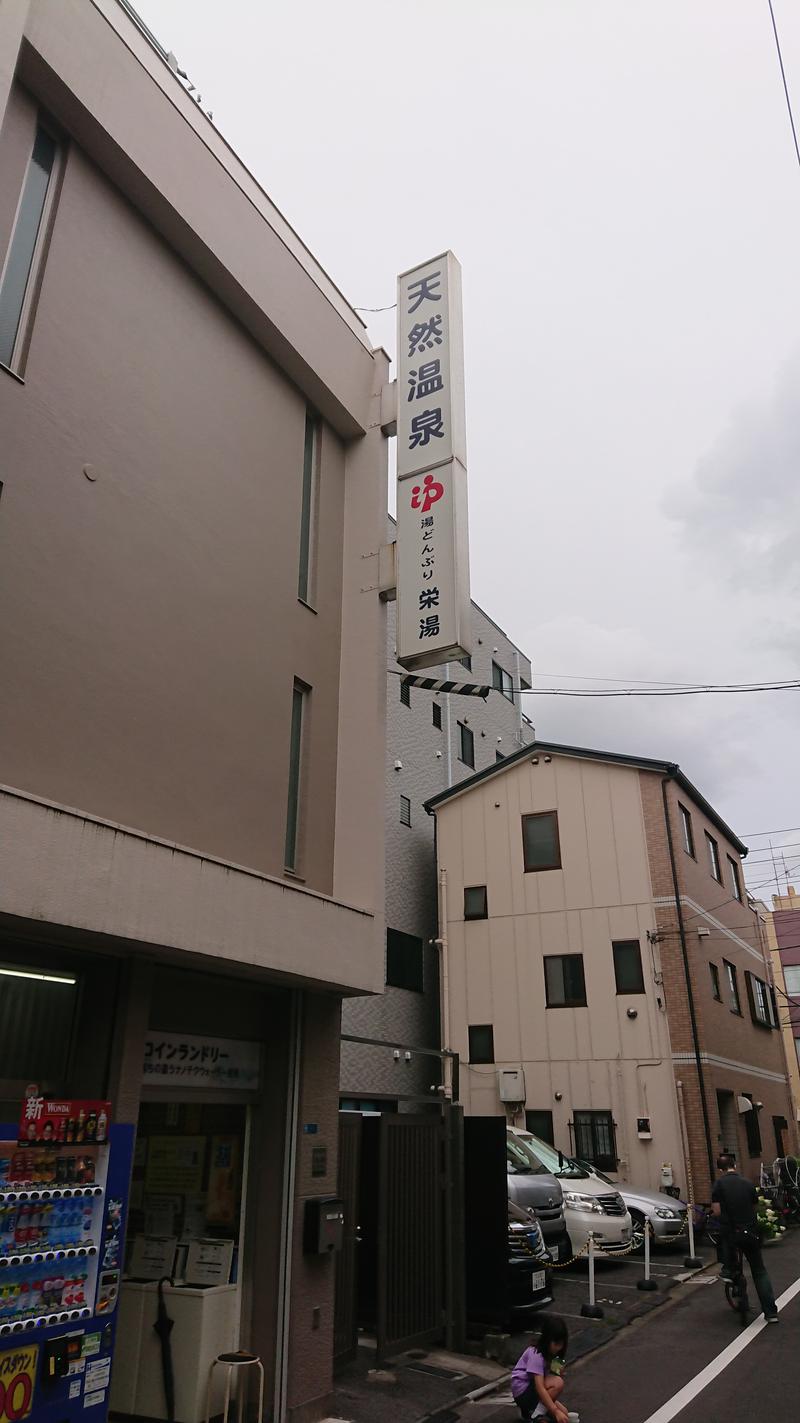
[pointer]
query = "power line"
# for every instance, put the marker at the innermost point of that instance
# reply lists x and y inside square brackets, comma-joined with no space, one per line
[376,308]
[757,834]
[783,77]
[654,692]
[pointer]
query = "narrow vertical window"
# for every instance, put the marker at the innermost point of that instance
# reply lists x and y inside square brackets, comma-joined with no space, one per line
[308,510]
[405,810]
[299,695]
[686,830]
[19,273]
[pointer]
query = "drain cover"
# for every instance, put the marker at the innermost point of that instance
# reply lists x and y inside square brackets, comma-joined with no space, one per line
[435,1373]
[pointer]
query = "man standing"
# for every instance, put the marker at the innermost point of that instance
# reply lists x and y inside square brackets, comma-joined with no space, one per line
[734,1200]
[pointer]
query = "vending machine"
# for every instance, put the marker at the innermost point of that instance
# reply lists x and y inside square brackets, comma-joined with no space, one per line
[64,1180]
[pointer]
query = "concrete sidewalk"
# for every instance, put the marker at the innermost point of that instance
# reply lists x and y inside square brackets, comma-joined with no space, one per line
[427,1386]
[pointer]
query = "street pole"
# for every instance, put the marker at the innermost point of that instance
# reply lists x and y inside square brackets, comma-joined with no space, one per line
[592,1310]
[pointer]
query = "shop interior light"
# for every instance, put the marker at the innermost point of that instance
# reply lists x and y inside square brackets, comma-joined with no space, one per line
[66,978]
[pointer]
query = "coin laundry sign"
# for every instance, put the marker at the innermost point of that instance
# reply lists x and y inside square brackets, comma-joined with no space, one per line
[433,622]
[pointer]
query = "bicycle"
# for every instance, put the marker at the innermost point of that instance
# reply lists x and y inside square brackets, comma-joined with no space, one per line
[736,1288]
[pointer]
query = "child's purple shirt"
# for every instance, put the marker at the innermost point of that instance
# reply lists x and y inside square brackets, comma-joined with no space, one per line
[531,1362]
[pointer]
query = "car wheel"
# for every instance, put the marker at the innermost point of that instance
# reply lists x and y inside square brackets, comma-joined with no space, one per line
[637,1230]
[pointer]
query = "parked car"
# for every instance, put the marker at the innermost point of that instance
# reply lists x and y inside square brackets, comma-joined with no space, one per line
[590,1207]
[530,1280]
[532,1186]
[666,1215]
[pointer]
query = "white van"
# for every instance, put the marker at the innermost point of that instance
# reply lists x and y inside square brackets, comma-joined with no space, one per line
[591,1205]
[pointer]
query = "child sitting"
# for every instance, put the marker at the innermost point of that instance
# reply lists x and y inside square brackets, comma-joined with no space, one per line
[536,1381]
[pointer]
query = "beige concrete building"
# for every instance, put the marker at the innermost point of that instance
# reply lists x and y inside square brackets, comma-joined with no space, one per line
[783,937]
[192,708]
[600,950]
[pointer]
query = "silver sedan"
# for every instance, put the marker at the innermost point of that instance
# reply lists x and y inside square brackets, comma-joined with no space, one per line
[667,1216]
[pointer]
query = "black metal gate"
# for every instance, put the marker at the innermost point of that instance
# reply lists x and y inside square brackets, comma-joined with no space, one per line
[403,1279]
[345,1321]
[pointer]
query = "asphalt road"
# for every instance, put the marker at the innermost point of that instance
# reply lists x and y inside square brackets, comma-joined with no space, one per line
[639,1376]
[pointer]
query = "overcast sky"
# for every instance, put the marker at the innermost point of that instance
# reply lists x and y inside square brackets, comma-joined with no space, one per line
[618,180]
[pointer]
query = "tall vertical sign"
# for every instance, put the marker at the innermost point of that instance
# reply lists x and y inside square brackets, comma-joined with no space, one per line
[433,601]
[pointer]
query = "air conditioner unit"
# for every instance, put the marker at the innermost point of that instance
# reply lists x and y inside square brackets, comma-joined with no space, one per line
[511,1084]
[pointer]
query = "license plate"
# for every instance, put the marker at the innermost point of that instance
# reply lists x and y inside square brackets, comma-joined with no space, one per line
[537,1280]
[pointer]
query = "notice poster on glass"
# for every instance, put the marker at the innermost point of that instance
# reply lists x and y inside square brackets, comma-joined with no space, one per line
[153,1256]
[209,1262]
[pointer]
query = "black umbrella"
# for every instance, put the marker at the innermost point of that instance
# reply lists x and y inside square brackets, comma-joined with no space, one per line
[164,1327]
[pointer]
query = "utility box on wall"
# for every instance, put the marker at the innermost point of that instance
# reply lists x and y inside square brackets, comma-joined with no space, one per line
[511,1084]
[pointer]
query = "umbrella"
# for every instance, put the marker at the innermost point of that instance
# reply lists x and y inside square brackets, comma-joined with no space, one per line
[163,1327]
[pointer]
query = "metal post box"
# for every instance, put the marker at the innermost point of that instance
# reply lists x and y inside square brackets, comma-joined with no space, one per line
[323,1226]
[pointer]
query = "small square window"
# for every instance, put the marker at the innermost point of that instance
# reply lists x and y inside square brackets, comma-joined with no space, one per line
[713,857]
[436,708]
[475,902]
[736,883]
[540,843]
[405,810]
[791,979]
[716,990]
[481,1043]
[686,830]
[405,693]
[540,1123]
[565,986]
[628,966]
[466,746]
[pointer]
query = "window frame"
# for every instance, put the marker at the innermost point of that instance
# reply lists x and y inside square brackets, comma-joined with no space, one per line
[626,944]
[503,682]
[556,864]
[735,878]
[534,1125]
[309,510]
[18,353]
[405,693]
[716,983]
[397,951]
[466,733]
[298,734]
[481,1060]
[752,1129]
[405,806]
[687,830]
[732,985]
[483,912]
[575,1002]
[791,992]
[436,714]
[603,1160]
[713,857]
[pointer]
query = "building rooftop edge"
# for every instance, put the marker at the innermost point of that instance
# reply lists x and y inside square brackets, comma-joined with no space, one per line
[642,763]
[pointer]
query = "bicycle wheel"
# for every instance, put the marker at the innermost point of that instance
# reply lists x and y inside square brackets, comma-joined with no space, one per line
[736,1295]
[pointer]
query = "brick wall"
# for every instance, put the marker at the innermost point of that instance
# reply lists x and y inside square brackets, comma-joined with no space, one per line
[739,1057]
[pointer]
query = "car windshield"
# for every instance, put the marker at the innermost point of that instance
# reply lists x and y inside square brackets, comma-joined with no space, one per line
[547,1159]
[521,1162]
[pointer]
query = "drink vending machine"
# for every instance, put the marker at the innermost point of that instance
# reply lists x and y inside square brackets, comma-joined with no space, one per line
[64,1180]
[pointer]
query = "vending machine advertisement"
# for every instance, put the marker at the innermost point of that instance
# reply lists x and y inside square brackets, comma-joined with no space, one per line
[64,1180]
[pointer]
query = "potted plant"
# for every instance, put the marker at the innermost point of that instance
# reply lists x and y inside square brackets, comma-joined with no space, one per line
[768,1223]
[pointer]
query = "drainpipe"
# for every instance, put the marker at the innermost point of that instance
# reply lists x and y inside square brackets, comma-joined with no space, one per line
[687,976]
[444,988]
[448,765]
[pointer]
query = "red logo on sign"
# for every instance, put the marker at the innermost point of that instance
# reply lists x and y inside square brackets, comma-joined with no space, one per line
[431,493]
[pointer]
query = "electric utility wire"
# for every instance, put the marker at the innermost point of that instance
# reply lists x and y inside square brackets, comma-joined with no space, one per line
[783,77]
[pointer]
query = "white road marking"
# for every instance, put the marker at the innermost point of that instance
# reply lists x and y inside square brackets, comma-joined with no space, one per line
[685,1396]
